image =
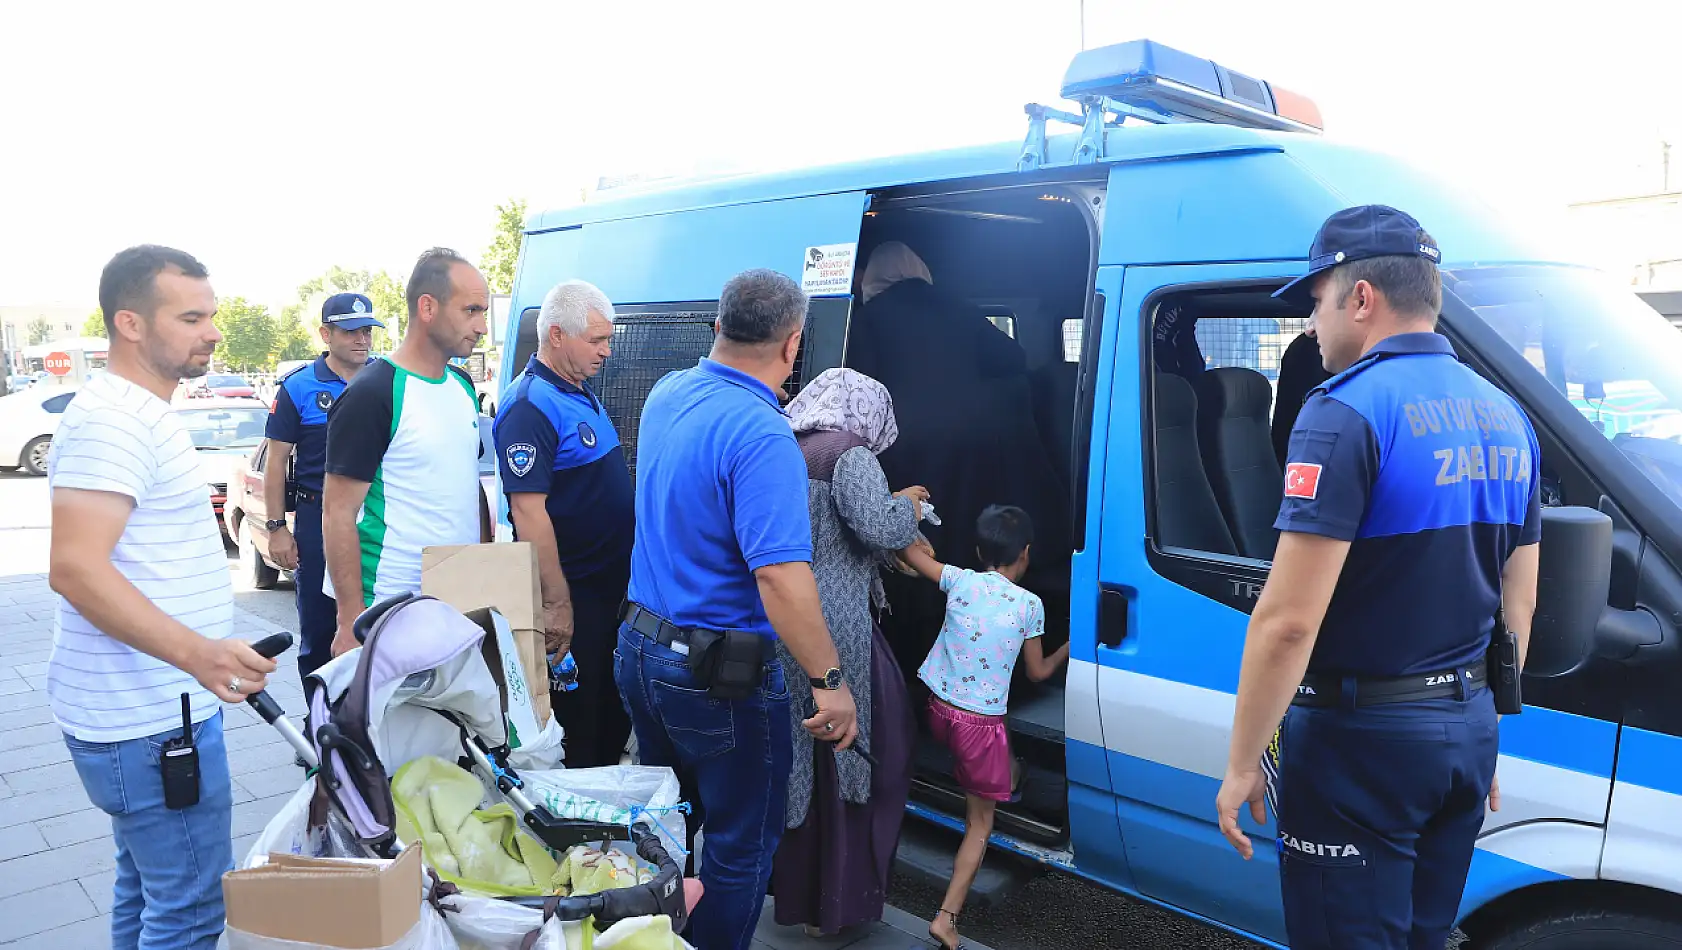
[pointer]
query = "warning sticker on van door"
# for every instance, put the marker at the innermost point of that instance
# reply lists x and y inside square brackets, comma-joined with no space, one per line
[828,269]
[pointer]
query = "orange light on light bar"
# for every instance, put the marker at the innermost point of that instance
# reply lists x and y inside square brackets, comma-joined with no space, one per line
[1289,105]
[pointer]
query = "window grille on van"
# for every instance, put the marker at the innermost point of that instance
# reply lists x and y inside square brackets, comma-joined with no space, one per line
[1256,343]
[647,346]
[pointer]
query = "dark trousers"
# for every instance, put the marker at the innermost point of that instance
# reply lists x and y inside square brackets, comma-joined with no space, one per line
[318,614]
[732,758]
[1379,809]
[592,715]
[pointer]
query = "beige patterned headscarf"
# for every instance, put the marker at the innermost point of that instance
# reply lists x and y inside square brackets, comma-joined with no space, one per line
[845,400]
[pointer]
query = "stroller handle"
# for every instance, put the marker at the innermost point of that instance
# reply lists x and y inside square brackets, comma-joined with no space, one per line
[270,647]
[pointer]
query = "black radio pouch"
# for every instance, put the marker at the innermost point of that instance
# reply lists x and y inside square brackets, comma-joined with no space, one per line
[179,762]
[1503,671]
[731,665]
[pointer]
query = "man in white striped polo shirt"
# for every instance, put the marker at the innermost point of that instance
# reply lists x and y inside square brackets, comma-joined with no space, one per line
[146,606]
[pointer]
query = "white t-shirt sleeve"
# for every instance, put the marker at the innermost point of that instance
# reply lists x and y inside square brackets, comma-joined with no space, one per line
[109,450]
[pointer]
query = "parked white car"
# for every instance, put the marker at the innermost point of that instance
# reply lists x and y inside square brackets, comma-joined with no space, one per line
[27,422]
[225,432]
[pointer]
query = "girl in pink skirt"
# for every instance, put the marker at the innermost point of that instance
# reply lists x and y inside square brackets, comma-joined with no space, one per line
[989,621]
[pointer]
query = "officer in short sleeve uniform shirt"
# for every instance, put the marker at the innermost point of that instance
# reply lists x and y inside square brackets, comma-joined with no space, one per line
[1379,772]
[554,438]
[299,419]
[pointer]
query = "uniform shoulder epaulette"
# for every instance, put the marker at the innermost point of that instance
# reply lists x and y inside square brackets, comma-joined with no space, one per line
[295,371]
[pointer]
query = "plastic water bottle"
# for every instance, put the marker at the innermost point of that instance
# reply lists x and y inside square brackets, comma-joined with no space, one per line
[563,673]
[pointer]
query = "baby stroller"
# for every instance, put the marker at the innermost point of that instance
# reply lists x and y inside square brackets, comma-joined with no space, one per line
[429,681]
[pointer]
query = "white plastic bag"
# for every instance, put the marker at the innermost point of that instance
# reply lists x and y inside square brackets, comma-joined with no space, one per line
[614,795]
[532,747]
[428,933]
[287,831]
[483,923]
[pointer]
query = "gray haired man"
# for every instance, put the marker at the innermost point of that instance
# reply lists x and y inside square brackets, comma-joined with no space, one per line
[569,494]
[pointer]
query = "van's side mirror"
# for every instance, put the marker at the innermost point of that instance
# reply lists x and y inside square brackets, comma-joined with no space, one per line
[1573,622]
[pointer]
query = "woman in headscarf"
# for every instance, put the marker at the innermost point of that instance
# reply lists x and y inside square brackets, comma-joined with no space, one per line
[831,870]
[965,409]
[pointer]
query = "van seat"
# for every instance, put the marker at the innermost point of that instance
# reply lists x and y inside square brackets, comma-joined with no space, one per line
[1188,516]
[1233,404]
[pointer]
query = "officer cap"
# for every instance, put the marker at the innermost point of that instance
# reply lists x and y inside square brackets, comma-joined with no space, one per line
[349,312]
[1358,233]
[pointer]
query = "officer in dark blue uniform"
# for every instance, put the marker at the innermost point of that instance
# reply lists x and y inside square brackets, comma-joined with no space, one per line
[569,495]
[1409,524]
[298,422]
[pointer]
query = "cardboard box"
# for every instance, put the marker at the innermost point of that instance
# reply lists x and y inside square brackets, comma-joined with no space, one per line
[502,575]
[333,903]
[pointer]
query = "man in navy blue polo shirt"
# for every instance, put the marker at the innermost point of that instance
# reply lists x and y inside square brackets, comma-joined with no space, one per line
[722,569]
[1410,517]
[569,494]
[298,422]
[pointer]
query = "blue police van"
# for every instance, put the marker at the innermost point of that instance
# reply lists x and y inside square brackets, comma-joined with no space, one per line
[1181,187]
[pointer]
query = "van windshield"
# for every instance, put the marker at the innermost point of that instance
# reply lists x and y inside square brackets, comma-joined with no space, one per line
[1616,360]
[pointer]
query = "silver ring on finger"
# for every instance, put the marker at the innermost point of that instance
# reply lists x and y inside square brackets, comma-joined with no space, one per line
[829,727]
[234,685]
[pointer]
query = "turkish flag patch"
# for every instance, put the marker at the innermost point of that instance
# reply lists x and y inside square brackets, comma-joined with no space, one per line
[1302,480]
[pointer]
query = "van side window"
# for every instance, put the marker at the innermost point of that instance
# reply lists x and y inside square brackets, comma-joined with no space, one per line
[1216,360]
[1074,332]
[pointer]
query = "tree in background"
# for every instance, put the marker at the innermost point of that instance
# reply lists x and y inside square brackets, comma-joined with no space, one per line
[40,331]
[94,326]
[296,341]
[384,290]
[250,336]
[498,263]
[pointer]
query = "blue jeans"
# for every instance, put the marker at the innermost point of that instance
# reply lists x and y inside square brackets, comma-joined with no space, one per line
[732,758]
[318,614]
[169,863]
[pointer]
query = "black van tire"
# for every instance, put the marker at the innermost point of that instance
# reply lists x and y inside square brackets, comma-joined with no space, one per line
[1589,930]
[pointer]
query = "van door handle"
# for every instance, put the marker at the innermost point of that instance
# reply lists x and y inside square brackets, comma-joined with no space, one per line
[1112,618]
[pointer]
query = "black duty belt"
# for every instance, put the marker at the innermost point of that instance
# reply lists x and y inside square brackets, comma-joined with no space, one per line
[1323,689]
[664,632]
[306,496]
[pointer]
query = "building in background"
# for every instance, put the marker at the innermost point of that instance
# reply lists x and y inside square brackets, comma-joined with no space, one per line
[1639,238]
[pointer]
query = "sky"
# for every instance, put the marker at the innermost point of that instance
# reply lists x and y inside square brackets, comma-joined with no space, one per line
[275,140]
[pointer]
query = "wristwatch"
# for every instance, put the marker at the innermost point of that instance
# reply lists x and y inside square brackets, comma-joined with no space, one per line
[830,680]
[274,524]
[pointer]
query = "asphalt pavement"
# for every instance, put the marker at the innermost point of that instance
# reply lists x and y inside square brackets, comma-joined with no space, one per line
[1052,912]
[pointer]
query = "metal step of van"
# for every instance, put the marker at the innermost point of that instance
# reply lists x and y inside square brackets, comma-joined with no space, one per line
[926,855]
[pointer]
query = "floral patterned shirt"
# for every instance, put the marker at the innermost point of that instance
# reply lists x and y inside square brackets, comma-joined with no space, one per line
[987,620]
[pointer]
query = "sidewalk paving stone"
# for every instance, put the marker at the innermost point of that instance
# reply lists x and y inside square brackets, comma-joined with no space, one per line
[35,806]
[75,828]
[44,778]
[46,752]
[57,865]
[43,909]
[100,889]
[19,840]
[93,933]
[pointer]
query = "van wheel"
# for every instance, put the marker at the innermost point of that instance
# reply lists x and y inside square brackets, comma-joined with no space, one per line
[1589,930]
[263,577]
[34,456]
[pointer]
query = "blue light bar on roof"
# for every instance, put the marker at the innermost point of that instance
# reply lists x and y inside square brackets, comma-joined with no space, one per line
[1161,79]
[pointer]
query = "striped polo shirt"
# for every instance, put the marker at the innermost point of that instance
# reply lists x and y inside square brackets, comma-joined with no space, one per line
[117,437]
